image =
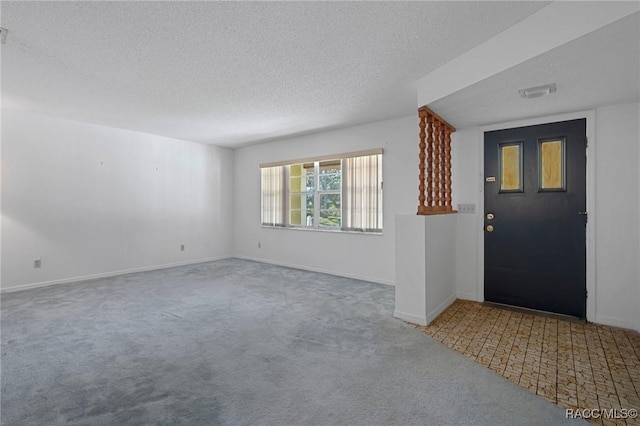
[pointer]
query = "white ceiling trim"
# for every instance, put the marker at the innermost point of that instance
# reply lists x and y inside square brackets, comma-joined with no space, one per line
[552,26]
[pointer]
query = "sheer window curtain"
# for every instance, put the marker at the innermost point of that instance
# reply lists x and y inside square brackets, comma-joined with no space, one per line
[273,196]
[362,193]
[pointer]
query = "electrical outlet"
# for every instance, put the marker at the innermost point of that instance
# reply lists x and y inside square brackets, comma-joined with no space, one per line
[466,208]
[37,263]
[181,247]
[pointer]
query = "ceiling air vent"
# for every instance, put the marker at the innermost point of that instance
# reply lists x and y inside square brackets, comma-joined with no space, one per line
[536,92]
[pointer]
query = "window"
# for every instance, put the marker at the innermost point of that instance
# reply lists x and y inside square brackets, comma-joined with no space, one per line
[511,167]
[341,192]
[301,198]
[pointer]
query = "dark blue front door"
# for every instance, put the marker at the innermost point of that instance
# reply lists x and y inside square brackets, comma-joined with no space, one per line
[535,217]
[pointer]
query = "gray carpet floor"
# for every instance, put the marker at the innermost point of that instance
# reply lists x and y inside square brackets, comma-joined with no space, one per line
[235,342]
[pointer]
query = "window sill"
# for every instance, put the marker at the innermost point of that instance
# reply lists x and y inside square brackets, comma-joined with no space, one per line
[325,230]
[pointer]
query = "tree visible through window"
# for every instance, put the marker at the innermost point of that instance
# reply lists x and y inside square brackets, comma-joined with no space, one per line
[341,193]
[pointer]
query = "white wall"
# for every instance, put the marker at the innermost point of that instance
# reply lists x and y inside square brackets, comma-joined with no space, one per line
[466,185]
[369,257]
[616,216]
[425,266]
[91,200]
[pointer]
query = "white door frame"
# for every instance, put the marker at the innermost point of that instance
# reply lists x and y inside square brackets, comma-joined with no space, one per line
[590,116]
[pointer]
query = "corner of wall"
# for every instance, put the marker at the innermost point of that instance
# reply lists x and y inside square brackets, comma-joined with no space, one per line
[88,200]
[638,264]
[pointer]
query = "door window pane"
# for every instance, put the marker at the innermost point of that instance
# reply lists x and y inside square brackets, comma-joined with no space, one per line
[511,168]
[552,165]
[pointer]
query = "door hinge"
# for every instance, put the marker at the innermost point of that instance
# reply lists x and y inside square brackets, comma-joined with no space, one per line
[586,216]
[586,142]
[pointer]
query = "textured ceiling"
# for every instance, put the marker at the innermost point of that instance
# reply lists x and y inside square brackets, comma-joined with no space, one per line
[600,68]
[231,73]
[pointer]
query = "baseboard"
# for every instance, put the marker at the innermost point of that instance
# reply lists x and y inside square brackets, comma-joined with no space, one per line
[188,262]
[109,274]
[440,308]
[617,322]
[320,270]
[413,319]
[463,295]
[420,320]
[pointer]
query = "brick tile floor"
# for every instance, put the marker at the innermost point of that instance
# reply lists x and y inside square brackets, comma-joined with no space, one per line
[572,364]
